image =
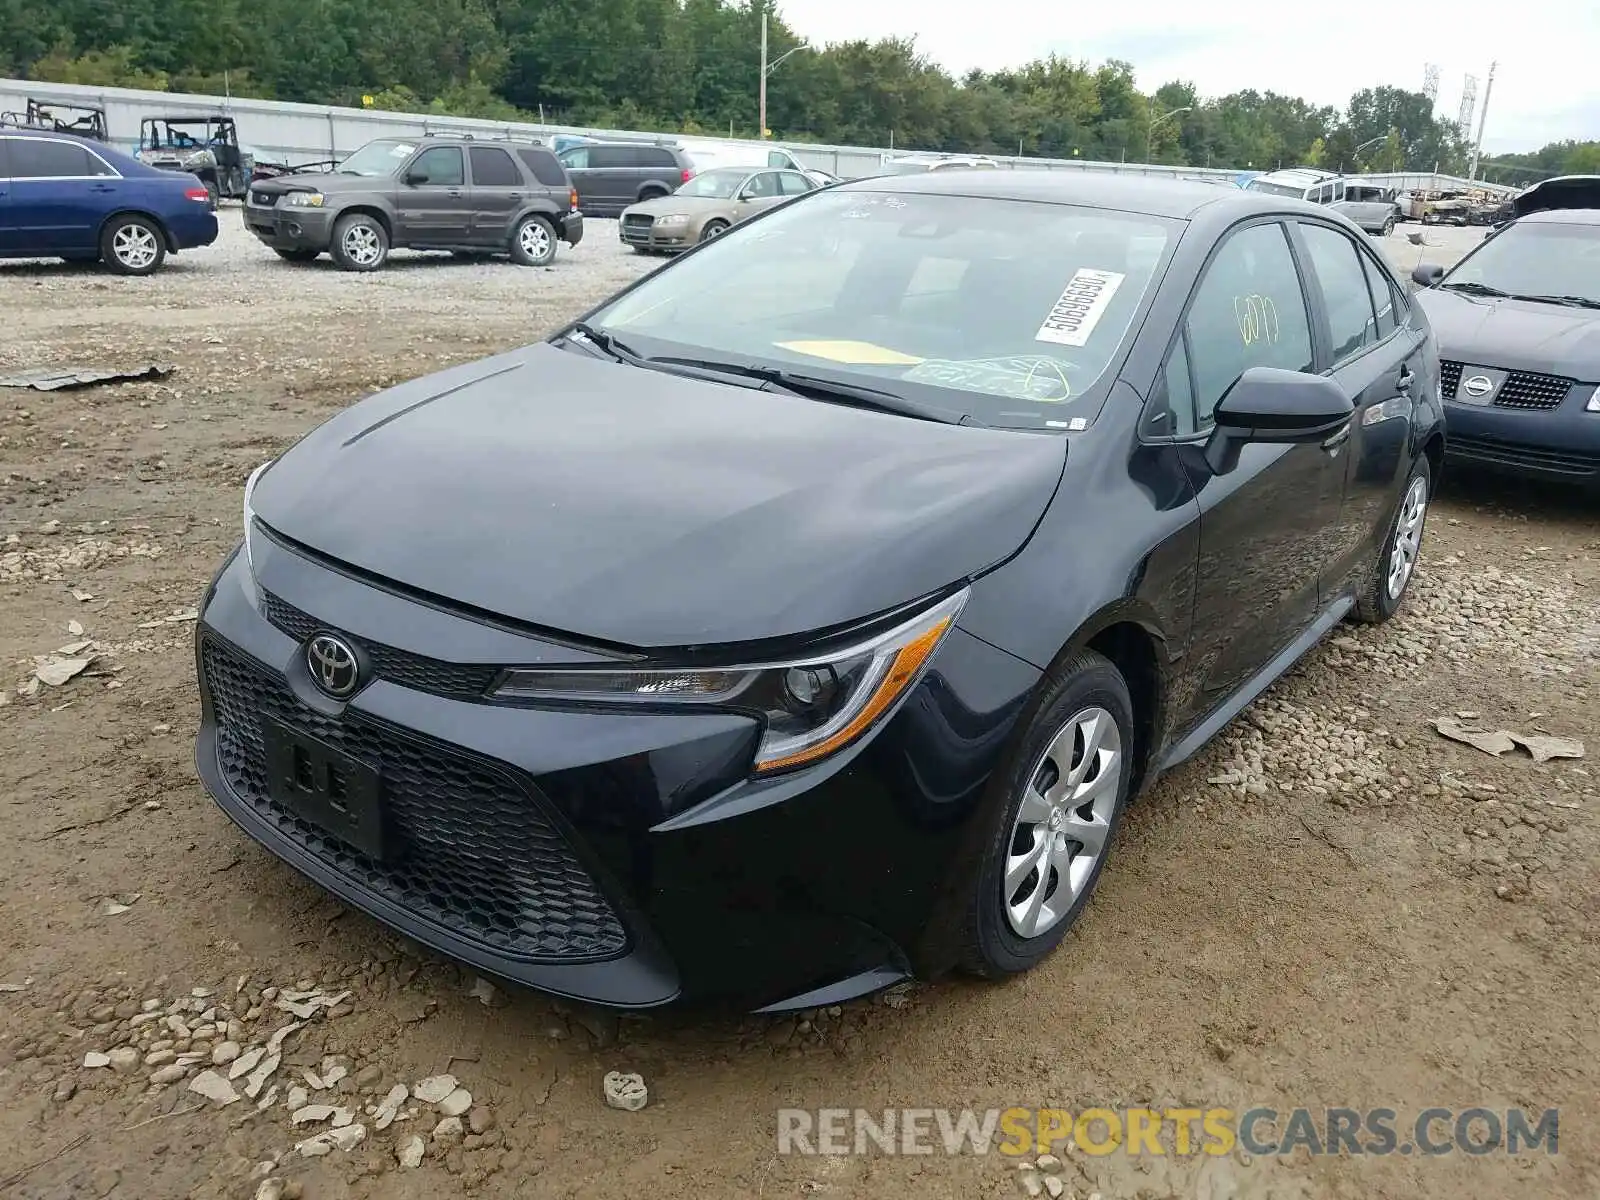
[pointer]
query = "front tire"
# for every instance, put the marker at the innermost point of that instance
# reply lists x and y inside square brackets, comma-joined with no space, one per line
[533,242]
[360,243]
[1388,227]
[132,245]
[1401,550]
[1066,783]
[713,229]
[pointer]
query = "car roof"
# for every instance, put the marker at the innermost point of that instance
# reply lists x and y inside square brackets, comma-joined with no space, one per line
[1297,177]
[1173,198]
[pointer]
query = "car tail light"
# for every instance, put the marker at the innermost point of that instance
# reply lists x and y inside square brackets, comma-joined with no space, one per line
[199,194]
[572,196]
[688,174]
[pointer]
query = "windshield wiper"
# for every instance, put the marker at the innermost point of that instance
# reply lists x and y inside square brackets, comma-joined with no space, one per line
[1477,289]
[607,344]
[853,394]
[1570,301]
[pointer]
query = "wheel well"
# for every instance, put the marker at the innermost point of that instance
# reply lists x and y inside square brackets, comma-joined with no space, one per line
[368,211]
[1133,651]
[650,191]
[161,226]
[1433,450]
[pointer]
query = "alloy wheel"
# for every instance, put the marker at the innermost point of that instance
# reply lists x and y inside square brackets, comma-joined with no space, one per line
[135,246]
[1407,537]
[1062,825]
[535,239]
[361,244]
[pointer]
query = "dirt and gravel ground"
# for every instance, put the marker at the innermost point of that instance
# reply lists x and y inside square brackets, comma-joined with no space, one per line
[1333,906]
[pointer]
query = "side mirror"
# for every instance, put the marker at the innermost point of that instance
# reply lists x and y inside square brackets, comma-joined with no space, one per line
[746,196]
[1271,405]
[415,177]
[1427,274]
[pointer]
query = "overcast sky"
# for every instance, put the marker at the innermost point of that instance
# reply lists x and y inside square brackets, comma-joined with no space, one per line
[1546,87]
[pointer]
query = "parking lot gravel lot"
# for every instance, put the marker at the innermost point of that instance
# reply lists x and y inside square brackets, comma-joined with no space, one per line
[1332,906]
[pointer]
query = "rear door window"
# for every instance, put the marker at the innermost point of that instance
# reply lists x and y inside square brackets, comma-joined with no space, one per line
[493,167]
[612,157]
[37,158]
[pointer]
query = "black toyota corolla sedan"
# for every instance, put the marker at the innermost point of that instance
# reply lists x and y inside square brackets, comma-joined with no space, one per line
[802,618]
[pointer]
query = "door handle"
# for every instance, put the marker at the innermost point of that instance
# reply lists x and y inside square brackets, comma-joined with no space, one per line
[102,187]
[1406,376]
[519,195]
[453,192]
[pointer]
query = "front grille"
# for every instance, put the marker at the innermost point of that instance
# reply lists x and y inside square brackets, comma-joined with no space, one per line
[638,221]
[459,681]
[1504,454]
[472,850]
[1522,389]
[1449,377]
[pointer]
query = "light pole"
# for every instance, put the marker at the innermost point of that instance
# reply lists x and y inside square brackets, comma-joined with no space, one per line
[1483,119]
[1356,153]
[1150,133]
[766,69]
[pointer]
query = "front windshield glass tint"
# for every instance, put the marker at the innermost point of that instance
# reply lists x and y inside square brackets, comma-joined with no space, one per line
[377,158]
[714,185]
[1537,260]
[970,304]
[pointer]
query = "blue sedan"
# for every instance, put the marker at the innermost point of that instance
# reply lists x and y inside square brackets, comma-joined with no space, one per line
[68,197]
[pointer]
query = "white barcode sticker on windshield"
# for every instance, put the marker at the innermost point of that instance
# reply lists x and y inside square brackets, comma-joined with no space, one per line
[1073,317]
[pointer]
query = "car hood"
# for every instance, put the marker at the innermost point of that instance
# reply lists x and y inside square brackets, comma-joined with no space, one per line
[1566,191]
[326,182]
[694,206]
[627,506]
[1518,335]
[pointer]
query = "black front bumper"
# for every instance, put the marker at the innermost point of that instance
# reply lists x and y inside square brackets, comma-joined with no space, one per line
[621,859]
[285,228]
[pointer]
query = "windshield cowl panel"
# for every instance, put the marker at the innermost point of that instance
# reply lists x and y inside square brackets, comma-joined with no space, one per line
[1011,313]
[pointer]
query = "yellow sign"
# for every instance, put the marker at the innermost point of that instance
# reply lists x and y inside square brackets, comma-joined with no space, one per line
[366,101]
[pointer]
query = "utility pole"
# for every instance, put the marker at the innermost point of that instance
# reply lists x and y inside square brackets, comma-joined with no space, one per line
[761,129]
[1483,117]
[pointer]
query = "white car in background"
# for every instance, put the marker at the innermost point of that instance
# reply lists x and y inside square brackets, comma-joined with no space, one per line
[709,155]
[1375,209]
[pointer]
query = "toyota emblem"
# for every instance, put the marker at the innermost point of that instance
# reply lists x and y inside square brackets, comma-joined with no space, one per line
[1478,385]
[333,664]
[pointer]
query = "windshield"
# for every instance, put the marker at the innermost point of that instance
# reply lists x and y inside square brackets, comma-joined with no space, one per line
[1536,260]
[1276,189]
[382,157]
[716,184]
[968,304]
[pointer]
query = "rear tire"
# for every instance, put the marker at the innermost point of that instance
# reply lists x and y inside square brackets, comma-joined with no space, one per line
[1066,783]
[360,243]
[131,245]
[533,242]
[1396,564]
[1388,227]
[297,256]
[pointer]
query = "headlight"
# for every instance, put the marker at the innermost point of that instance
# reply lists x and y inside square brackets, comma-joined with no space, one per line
[250,514]
[305,199]
[673,219]
[813,707]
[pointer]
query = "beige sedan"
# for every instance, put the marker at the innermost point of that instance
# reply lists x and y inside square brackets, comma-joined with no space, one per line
[707,205]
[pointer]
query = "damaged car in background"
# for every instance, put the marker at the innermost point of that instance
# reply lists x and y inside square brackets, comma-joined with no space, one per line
[1518,321]
[205,147]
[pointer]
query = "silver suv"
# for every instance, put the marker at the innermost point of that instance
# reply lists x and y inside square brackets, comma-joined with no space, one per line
[1374,209]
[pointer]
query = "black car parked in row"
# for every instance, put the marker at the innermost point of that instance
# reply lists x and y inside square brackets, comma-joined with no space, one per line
[610,176]
[804,617]
[435,193]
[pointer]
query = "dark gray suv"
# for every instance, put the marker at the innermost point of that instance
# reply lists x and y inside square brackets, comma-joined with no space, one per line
[610,176]
[469,196]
